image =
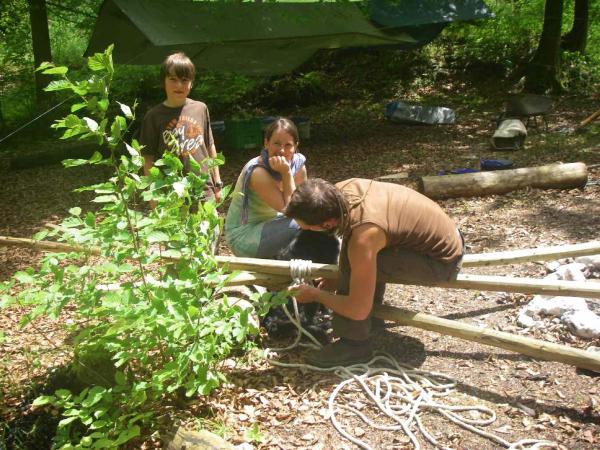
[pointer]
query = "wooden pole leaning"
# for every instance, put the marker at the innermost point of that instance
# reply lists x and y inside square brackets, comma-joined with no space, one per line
[520,344]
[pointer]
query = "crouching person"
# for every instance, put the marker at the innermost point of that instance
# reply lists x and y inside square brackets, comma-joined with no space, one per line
[389,233]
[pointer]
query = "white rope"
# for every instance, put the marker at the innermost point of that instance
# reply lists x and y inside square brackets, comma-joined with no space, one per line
[400,394]
[300,270]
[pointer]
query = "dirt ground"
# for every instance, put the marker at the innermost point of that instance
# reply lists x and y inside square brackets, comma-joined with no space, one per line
[286,408]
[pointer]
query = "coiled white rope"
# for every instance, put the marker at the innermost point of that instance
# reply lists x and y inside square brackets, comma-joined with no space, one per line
[300,270]
[398,393]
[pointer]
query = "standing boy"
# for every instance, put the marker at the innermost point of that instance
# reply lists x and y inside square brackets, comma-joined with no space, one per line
[180,124]
[390,233]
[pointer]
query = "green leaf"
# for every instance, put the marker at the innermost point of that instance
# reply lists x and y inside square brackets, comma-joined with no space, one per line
[76,211]
[94,396]
[63,394]
[99,424]
[91,123]
[58,85]
[103,104]
[40,235]
[132,151]
[43,66]
[105,443]
[128,434]
[105,199]
[158,236]
[120,378]
[126,110]
[90,219]
[72,121]
[78,106]
[96,157]
[97,62]
[172,253]
[24,277]
[67,421]
[100,412]
[180,187]
[112,300]
[42,400]
[75,162]
[59,70]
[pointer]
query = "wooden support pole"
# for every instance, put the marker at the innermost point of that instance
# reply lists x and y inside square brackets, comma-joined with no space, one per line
[282,267]
[269,272]
[531,254]
[524,285]
[478,282]
[45,246]
[274,267]
[520,344]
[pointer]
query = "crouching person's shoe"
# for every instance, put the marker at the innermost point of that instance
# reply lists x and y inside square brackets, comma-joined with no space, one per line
[344,352]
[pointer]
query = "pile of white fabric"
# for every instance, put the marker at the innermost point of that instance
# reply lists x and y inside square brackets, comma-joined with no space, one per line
[579,314]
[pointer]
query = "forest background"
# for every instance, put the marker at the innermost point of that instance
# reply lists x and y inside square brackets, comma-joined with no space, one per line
[508,52]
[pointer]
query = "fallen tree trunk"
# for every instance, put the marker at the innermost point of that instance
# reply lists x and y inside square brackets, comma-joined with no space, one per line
[553,176]
[524,345]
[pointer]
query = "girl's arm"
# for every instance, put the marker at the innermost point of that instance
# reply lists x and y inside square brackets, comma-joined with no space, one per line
[268,189]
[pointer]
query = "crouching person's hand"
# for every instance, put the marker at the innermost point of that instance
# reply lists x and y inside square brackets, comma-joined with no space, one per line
[304,293]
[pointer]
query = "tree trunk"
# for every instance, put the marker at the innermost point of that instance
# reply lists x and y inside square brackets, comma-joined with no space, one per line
[541,74]
[552,176]
[41,44]
[576,39]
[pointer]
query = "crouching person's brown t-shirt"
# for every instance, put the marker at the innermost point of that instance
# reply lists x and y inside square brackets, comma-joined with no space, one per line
[408,218]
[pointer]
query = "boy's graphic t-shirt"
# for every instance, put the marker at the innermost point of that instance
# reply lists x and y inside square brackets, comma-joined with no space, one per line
[184,130]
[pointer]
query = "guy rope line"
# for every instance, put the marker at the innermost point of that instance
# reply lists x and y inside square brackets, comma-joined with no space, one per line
[398,392]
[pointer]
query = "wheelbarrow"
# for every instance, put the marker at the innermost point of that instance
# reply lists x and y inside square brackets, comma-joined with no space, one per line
[527,107]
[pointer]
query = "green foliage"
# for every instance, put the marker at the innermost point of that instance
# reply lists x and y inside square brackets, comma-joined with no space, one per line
[498,44]
[254,434]
[151,330]
[224,92]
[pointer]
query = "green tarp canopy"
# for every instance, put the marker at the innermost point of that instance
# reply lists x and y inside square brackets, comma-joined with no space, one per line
[265,38]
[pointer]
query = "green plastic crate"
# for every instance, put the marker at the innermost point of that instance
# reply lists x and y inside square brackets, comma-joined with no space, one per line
[243,134]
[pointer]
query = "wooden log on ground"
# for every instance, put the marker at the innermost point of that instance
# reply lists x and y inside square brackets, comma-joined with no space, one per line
[553,176]
[520,344]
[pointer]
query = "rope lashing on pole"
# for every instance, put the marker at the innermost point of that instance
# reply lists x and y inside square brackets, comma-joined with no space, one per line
[300,270]
[398,393]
